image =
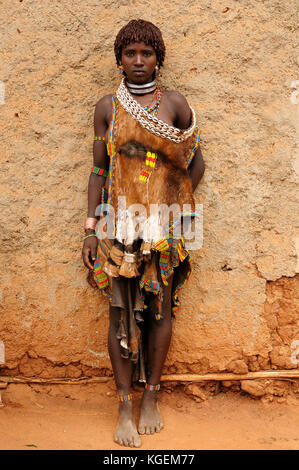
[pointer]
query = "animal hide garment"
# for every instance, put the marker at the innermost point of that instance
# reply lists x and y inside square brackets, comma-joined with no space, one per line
[147,176]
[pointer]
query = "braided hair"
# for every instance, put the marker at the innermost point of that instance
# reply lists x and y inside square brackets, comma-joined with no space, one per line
[140,31]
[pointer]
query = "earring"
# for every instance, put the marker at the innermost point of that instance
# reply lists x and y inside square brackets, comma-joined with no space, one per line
[121,69]
[157,70]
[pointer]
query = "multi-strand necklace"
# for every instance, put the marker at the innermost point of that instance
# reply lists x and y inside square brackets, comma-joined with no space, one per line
[141,89]
[153,106]
[150,122]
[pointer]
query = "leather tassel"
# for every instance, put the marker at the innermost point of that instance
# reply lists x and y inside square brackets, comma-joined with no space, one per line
[116,255]
[110,269]
[145,248]
[129,266]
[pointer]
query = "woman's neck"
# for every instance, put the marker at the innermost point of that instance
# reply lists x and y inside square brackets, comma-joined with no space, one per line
[143,89]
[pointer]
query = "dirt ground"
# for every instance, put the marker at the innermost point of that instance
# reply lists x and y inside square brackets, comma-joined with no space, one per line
[84,416]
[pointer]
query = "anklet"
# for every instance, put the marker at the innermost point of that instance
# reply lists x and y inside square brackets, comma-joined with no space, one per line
[125,398]
[152,388]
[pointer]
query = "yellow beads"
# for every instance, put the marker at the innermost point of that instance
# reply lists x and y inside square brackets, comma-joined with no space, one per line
[143,176]
[151,159]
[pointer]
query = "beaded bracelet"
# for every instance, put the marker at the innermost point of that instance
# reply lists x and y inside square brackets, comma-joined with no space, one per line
[99,138]
[152,388]
[90,235]
[99,171]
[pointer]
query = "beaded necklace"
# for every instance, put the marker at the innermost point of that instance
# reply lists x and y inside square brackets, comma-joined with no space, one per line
[153,106]
[155,102]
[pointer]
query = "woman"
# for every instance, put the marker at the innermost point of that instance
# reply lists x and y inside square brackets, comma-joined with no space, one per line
[146,162]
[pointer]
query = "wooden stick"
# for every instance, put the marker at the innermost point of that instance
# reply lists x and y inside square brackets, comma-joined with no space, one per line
[71,381]
[271,374]
[229,376]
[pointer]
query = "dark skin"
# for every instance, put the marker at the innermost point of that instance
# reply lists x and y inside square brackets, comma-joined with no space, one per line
[138,61]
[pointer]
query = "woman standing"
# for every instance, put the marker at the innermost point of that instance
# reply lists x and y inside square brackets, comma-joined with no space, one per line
[146,152]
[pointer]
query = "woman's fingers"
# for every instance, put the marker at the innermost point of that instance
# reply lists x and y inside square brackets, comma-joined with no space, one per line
[93,252]
[86,260]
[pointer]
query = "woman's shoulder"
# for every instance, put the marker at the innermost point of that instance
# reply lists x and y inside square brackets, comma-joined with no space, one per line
[180,108]
[104,101]
[176,98]
[103,109]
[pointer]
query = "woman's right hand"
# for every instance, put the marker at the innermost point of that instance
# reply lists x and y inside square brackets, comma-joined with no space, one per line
[89,251]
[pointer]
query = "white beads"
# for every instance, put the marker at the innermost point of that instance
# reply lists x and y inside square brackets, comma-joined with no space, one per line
[150,122]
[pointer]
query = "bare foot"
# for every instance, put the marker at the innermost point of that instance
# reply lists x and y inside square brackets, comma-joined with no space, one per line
[126,431]
[150,418]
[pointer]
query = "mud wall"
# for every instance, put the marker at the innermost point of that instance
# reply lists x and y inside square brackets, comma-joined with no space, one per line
[236,63]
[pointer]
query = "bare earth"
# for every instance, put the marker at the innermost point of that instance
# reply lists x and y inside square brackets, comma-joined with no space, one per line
[84,417]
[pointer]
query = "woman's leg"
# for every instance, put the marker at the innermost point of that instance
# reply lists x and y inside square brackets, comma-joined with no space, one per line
[159,336]
[126,432]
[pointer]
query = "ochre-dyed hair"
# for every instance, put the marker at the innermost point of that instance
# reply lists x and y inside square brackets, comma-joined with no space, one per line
[140,31]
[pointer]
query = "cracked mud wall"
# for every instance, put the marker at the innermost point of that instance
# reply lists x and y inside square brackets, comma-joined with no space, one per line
[236,63]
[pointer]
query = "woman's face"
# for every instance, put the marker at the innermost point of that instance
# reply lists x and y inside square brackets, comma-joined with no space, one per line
[138,61]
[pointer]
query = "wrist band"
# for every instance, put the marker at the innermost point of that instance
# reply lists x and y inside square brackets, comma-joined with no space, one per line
[125,398]
[99,138]
[99,171]
[90,222]
[90,235]
[152,388]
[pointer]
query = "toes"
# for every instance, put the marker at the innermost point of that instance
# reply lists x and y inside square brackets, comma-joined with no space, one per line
[137,442]
[147,430]
[153,430]
[141,429]
[119,441]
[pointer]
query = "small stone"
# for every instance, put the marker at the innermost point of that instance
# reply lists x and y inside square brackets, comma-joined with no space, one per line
[239,367]
[253,388]
[281,400]
[227,383]
[196,392]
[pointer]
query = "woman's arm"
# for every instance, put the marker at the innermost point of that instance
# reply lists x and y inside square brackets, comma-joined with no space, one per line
[100,157]
[183,116]
[196,169]
[96,182]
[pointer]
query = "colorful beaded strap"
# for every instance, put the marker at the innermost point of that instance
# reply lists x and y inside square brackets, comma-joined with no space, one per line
[144,175]
[150,161]
[99,138]
[99,171]
[152,388]
[125,398]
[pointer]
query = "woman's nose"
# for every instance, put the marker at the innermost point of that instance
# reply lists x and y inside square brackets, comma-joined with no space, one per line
[139,60]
